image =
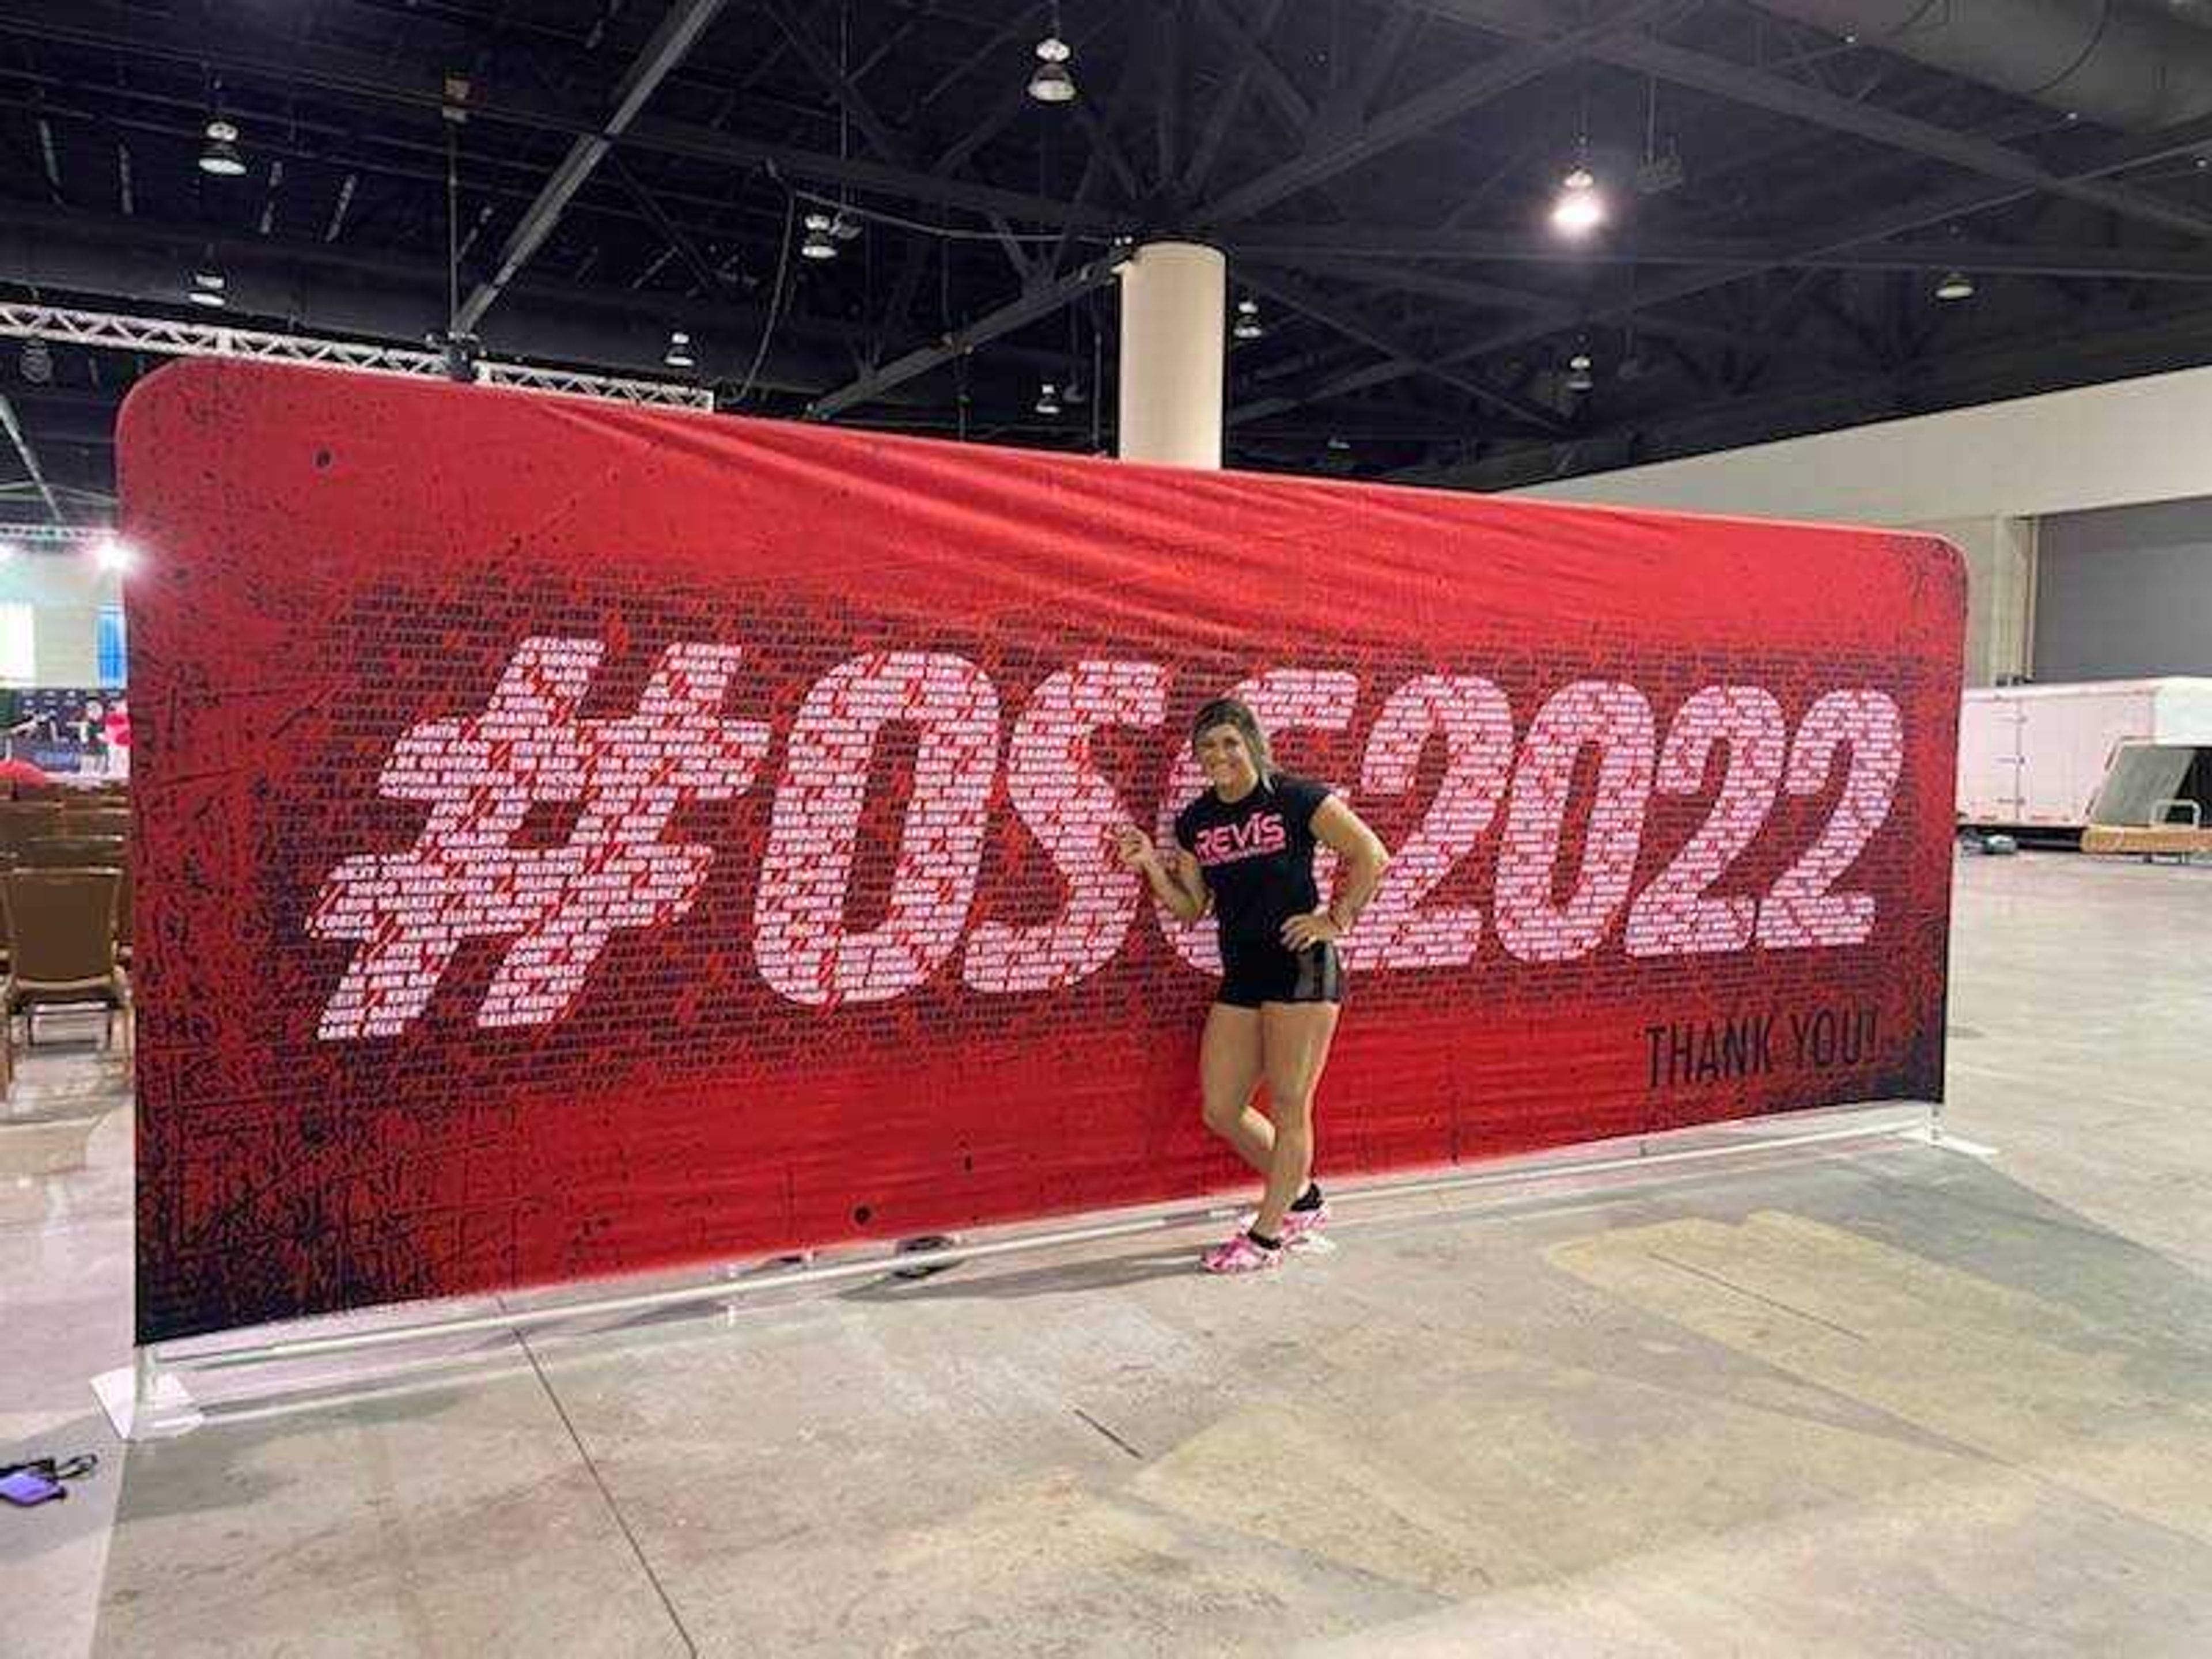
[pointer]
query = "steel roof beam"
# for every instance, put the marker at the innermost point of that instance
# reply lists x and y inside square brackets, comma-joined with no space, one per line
[374,80]
[1328,156]
[670,44]
[1039,301]
[1298,296]
[1747,84]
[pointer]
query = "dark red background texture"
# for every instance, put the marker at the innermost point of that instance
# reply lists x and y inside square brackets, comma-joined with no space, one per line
[332,559]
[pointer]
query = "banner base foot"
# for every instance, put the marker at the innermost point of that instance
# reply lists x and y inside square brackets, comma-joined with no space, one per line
[1933,1133]
[144,1402]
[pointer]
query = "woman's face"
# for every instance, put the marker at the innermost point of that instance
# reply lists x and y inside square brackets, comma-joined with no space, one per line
[1225,757]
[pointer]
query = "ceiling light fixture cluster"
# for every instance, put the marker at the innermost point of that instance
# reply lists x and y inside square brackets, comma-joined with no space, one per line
[1052,82]
[1247,326]
[824,231]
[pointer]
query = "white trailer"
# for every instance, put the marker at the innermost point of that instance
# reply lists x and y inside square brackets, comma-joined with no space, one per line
[2038,756]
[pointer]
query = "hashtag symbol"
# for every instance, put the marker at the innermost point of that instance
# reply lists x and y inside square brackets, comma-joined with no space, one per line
[465,878]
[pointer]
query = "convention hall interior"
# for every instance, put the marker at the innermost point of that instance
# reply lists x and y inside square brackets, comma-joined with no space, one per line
[1128,827]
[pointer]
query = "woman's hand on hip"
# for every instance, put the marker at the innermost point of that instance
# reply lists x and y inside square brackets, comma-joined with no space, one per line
[1315,927]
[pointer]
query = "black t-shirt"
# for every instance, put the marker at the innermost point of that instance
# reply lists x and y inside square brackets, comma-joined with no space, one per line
[1257,854]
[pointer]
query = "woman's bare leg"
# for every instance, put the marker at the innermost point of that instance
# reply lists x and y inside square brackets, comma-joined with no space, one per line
[1228,1072]
[1294,1039]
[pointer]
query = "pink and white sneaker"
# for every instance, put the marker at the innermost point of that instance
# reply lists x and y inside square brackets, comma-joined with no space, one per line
[1240,1255]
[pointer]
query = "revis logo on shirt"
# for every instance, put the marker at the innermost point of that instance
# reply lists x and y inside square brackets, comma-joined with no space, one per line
[1257,836]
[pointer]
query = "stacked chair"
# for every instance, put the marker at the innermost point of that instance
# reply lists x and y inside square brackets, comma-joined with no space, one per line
[65,874]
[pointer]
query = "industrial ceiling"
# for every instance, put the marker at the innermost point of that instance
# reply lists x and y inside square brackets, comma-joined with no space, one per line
[1471,242]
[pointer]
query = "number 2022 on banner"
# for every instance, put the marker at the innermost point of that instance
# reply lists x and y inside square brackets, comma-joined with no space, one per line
[464,877]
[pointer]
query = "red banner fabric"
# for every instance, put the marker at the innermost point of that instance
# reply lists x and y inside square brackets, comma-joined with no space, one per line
[578,839]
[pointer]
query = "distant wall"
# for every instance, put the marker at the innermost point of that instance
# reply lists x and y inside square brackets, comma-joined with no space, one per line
[2125,466]
[2125,591]
[65,591]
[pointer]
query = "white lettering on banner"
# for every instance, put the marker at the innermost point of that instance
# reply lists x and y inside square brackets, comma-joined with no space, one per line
[1673,917]
[1617,720]
[472,875]
[1800,910]
[1283,700]
[465,878]
[1073,812]
[800,936]
[1477,724]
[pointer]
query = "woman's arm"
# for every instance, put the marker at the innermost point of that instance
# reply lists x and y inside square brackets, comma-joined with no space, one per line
[1179,885]
[1365,858]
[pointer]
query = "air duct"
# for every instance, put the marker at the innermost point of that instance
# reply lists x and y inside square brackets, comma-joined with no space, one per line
[2114,62]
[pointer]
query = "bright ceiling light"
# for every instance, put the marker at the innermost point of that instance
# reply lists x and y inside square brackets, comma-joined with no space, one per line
[1047,401]
[113,554]
[1053,83]
[679,354]
[221,156]
[1956,285]
[1247,326]
[819,244]
[8,551]
[208,287]
[1580,206]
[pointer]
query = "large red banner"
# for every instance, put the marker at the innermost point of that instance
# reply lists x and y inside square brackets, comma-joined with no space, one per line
[578,839]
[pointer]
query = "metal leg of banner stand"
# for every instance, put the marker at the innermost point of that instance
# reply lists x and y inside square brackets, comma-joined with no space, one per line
[150,1399]
[145,1401]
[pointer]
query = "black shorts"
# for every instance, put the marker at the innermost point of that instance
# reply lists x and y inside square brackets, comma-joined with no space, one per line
[1254,974]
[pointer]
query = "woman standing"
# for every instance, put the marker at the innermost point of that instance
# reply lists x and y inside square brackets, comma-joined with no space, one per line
[1246,852]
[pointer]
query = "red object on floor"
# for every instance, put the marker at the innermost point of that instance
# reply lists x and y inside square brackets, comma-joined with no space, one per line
[22,771]
[578,839]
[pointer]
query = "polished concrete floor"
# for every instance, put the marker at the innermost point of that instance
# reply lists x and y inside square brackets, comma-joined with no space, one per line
[1891,1398]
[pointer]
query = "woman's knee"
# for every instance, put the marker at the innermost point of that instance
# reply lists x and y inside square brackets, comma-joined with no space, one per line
[1222,1112]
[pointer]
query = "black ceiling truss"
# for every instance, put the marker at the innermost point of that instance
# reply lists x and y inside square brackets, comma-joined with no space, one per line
[1379,172]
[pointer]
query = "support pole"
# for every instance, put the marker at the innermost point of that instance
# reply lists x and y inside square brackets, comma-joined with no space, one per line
[1174,296]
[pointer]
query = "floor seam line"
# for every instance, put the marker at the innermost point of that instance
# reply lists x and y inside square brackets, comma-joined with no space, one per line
[1741,1289]
[614,1508]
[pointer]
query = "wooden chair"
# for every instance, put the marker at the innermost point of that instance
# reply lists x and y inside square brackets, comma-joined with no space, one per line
[94,821]
[22,821]
[73,851]
[61,944]
[88,852]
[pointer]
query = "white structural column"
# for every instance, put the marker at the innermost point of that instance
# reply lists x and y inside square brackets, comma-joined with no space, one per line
[1174,295]
[2000,573]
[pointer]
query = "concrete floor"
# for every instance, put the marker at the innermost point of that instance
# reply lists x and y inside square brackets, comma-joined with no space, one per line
[1895,1400]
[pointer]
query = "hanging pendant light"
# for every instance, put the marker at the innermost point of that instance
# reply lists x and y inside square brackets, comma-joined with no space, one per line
[1052,82]
[220,156]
